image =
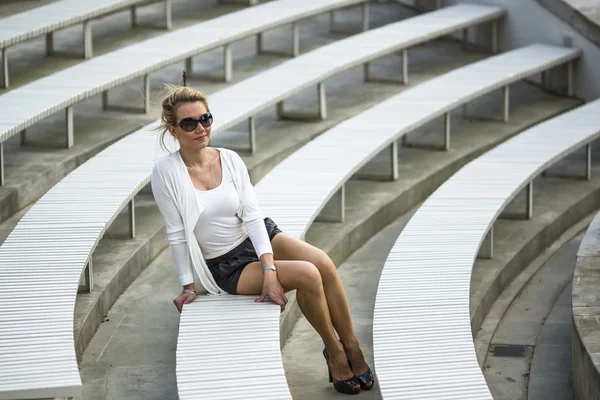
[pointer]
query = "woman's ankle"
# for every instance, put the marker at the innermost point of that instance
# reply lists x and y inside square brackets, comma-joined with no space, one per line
[350,344]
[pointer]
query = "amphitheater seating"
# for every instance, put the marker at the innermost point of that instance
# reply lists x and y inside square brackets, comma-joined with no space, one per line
[62,90]
[59,15]
[51,344]
[233,104]
[422,337]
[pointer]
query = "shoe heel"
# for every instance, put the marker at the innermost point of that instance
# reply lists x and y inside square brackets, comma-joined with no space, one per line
[330,376]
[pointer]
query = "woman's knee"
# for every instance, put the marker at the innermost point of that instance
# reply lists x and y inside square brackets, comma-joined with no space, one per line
[309,277]
[326,267]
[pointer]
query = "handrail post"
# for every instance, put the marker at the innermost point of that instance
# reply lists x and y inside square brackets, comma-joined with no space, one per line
[405,66]
[394,159]
[506,107]
[87,39]
[447,131]
[252,132]
[70,133]
[494,37]
[365,16]
[4,82]
[228,75]
[529,199]
[295,39]
[322,100]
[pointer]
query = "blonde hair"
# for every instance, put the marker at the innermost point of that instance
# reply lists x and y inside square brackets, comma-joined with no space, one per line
[176,96]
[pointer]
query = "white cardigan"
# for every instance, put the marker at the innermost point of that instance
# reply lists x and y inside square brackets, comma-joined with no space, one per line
[175,196]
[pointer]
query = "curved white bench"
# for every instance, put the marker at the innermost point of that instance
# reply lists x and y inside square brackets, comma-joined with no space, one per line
[31,103]
[62,14]
[44,256]
[422,300]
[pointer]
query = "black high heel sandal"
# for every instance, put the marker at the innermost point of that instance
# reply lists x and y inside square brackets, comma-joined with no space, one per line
[347,386]
[365,378]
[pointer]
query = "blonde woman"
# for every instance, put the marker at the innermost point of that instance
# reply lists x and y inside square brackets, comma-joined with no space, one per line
[215,228]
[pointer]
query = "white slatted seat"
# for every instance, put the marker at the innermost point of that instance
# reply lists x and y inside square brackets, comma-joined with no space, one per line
[422,336]
[45,254]
[62,14]
[296,190]
[25,106]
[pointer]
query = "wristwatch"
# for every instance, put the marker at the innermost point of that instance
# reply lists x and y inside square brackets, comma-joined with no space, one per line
[189,291]
[269,267]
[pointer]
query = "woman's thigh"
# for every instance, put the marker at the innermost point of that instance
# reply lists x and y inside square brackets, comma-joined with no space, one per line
[292,274]
[287,247]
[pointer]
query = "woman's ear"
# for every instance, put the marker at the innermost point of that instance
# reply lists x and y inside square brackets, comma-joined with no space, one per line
[171,129]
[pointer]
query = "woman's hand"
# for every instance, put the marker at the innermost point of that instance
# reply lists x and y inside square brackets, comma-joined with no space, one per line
[272,288]
[183,298]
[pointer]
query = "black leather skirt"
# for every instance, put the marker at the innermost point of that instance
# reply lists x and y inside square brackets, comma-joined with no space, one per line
[227,269]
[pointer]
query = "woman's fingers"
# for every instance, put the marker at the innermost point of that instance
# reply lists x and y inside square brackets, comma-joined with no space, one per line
[183,298]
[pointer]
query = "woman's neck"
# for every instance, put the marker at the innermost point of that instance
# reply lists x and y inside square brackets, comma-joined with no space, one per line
[198,158]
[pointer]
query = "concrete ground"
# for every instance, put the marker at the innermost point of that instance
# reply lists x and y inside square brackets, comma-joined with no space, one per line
[539,322]
[305,368]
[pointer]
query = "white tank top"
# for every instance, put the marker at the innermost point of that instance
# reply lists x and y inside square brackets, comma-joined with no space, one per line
[219,229]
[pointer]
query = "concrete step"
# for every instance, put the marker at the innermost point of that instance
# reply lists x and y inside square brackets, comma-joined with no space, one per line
[371,205]
[551,372]
[33,169]
[537,326]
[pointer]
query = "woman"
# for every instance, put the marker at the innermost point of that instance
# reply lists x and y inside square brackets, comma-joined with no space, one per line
[214,224]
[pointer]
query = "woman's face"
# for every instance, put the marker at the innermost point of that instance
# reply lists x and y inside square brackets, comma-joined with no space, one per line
[197,138]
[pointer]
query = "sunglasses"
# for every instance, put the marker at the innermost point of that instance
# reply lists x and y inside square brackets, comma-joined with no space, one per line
[190,124]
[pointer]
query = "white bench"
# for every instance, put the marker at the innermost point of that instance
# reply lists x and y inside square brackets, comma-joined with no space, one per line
[31,103]
[422,336]
[62,14]
[44,256]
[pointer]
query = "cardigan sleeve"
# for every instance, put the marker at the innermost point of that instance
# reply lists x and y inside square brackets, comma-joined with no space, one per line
[174,226]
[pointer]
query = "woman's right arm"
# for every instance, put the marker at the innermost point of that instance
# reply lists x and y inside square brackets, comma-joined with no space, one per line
[176,235]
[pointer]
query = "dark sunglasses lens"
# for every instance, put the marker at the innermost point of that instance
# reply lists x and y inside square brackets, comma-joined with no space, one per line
[206,120]
[188,124]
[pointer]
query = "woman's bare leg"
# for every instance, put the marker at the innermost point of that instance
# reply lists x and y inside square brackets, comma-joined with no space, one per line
[306,279]
[287,247]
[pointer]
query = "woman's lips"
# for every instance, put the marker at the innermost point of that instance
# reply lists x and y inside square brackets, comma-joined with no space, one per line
[201,138]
